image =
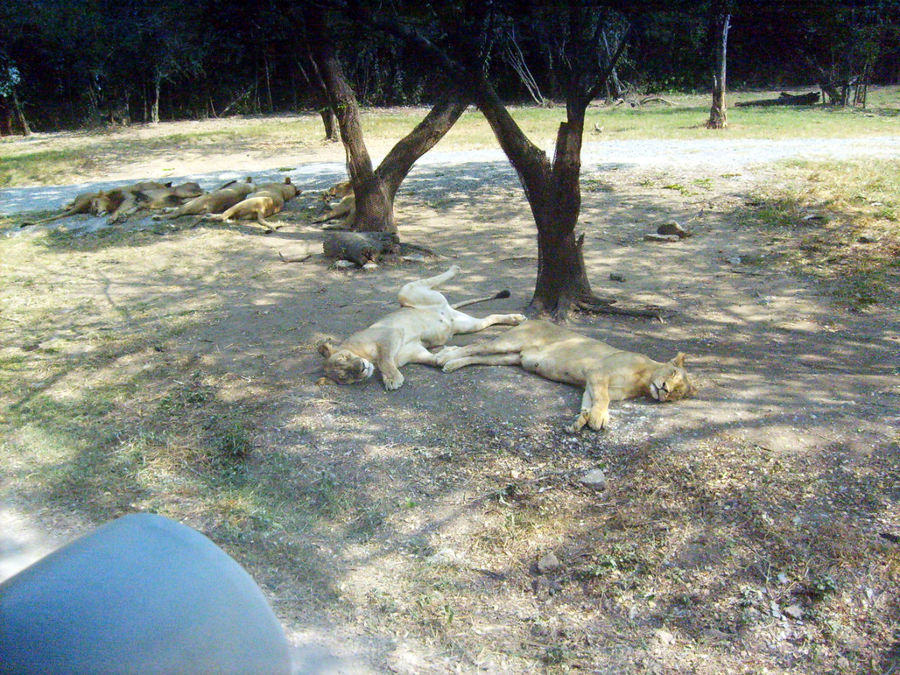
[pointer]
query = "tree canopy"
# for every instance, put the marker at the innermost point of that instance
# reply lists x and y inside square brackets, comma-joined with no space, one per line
[94,60]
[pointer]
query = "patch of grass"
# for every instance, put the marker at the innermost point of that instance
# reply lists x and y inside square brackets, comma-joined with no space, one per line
[678,187]
[837,223]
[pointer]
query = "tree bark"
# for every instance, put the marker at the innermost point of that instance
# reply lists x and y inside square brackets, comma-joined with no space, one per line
[154,106]
[374,209]
[20,114]
[6,121]
[330,124]
[552,190]
[374,190]
[718,115]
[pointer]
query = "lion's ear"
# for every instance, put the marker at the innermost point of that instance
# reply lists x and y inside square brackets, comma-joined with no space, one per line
[679,359]
[326,349]
[287,180]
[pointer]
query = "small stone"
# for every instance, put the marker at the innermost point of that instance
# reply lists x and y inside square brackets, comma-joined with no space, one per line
[548,563]
[673,228]
[369,266]
[343,264]
[445,556]
[413,257]
[867,239]
[617,277]
[663,238]
[782,578]
[664,636]
[794,611]
[595,478]
[734,260]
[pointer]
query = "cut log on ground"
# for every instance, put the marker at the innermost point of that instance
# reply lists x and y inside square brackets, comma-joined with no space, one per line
[784,99]
[359,247]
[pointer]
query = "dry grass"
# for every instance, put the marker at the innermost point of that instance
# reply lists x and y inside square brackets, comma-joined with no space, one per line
[839,223]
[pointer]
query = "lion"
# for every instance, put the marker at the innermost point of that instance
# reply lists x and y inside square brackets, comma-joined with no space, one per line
[122,203]
[337,191]
[267,200]
[96,203]
[425,320]
[345,208]
[213,202]
[559,354]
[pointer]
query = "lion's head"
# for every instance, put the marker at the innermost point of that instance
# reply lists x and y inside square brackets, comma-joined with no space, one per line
[343,366]
[670,382]
[100,204]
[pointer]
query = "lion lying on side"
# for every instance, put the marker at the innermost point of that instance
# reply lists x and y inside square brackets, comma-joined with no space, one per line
[606,373]
[267,200]
[98,203]
[213,202]
[426,320]
[123,202]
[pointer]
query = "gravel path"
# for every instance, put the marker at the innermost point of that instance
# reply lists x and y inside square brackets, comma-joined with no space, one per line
[708,155]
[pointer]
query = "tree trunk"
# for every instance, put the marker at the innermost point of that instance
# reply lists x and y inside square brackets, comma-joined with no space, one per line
[6,120]
[718,117]
[154,106]
[328,121]
[374,209]
[268,85]
[553,191]
[399,161]
[20,114]
[373,190]
[554,195]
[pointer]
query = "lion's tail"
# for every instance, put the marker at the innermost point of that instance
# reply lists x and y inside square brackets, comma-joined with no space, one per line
[496,296]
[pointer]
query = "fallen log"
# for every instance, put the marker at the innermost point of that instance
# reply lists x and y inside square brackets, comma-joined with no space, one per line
[359,247]
[784,99]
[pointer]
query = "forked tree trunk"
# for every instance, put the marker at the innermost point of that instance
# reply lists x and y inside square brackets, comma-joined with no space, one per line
[552,190]
[373,190]
[554,195]
[718,116]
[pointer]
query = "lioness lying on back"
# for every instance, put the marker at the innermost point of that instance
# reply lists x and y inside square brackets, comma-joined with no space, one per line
[606,373]
[426,320]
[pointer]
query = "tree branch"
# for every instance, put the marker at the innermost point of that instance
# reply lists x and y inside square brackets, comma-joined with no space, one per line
[599,84]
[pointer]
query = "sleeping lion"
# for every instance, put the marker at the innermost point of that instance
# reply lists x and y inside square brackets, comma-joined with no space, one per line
[266,200]
[606,373]
[425,320]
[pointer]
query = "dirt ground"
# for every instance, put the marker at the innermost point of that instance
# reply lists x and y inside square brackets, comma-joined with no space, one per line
[751,528]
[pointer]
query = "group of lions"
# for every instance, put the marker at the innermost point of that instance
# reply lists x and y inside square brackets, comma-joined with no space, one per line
[236,200]
[426,320]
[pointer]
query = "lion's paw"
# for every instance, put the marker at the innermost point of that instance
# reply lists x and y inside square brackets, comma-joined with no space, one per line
[518,318]
[446,354]
[580,421]
[598,421]
[450,366]
[393,383]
